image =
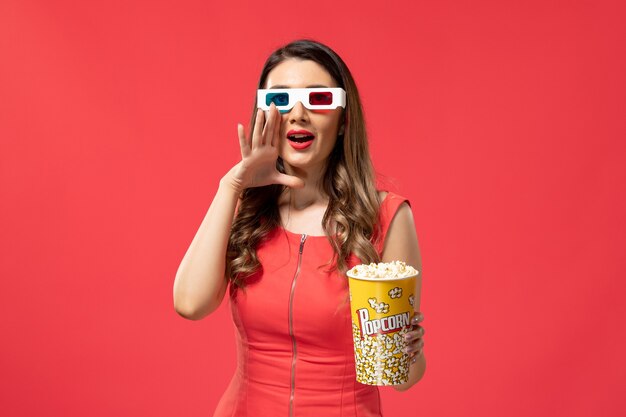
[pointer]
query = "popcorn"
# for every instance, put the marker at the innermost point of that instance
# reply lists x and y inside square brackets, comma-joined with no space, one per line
[395,292]
[379,358]
[395,269]
[379,307]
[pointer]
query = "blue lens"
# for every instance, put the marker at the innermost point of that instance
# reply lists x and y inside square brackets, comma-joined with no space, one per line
[279,99]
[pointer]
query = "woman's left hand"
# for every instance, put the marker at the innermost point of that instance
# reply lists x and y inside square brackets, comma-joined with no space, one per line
[415,342]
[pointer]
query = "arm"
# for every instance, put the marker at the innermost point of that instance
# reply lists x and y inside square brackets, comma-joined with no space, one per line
[401,245]
[200,282]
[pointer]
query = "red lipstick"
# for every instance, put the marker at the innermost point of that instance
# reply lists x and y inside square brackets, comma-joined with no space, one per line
[300,139]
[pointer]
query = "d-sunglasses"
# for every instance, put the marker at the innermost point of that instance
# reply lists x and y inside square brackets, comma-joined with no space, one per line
[312,98]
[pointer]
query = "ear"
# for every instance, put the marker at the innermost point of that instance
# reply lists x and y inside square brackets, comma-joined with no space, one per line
[341,129]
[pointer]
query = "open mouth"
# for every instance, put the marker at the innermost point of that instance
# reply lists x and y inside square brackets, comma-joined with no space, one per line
[300,138]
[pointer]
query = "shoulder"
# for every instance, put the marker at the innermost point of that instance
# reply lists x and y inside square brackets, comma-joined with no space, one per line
[402,218]
[390,204]
[387,197]
[401,239]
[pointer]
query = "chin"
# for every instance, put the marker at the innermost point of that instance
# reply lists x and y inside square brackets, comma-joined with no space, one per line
[299,161]
[302,160]
[296,162]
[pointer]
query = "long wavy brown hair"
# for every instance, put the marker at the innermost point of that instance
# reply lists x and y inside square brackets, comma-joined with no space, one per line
[351,218]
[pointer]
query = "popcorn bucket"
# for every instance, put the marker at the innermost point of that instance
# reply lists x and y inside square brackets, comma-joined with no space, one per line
[382,308]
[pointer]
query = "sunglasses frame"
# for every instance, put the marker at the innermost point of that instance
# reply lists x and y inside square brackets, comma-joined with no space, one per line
[301,95]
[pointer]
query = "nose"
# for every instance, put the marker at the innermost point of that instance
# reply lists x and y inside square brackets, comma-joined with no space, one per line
[298,112]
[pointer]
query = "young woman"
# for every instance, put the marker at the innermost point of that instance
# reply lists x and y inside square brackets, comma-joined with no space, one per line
[286,223]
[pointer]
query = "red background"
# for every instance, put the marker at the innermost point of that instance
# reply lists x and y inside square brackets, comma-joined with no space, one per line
[503,122]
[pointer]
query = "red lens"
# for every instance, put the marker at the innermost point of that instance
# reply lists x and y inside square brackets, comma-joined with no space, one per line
[321,98]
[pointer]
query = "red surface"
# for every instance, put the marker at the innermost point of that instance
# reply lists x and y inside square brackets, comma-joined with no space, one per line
[117,120]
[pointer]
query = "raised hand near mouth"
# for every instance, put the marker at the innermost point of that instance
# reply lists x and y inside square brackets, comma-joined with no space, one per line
[259,154]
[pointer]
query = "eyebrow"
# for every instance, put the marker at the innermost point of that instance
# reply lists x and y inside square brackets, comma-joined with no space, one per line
[308,86]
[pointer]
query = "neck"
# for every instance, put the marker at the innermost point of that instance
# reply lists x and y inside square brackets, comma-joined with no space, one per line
[311,193]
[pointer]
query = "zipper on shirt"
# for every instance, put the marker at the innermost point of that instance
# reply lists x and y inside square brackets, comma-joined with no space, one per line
[293,338]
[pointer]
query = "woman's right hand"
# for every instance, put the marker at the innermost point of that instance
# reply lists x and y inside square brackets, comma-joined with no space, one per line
[258,156]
